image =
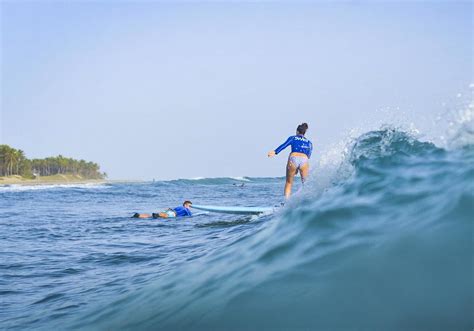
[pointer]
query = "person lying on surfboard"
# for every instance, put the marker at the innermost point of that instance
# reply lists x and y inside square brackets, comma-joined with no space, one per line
[301,149]
[179,211]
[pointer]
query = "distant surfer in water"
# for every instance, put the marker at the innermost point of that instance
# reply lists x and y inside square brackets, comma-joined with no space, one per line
[298,160]
[180,211]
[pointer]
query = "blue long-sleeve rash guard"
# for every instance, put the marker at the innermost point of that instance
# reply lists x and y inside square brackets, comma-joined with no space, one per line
[181,211]
[298,143]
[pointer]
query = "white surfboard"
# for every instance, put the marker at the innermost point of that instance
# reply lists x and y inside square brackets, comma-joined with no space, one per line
[235,209]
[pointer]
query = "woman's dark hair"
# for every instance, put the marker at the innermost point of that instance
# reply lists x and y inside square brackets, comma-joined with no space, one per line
[301,129]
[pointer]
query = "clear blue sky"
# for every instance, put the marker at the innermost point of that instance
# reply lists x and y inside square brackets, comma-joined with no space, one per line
[178,90]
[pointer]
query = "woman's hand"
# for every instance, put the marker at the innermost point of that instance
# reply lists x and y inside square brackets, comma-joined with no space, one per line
[271,153]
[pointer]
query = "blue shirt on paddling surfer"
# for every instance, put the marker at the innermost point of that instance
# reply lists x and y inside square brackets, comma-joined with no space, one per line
[183,210]
[301,149]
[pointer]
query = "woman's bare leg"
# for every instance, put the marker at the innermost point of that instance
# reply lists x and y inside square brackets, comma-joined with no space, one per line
[304,172]
[291,171]
[138,215]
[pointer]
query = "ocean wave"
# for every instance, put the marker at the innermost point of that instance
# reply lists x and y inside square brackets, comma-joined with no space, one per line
[391,236]
[219,180]
[243,179]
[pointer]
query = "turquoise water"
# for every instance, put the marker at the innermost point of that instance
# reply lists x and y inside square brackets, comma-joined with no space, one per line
[382,240]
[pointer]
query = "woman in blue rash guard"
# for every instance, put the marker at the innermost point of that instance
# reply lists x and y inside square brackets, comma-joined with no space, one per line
[301,149]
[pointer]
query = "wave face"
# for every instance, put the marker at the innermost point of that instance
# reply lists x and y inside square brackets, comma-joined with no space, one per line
[387,245]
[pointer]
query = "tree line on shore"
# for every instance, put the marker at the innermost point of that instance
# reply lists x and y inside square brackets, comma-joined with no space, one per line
[14,162]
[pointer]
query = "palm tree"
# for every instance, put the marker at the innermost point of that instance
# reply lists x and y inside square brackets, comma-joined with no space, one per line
[13,161]
[3,166]
[20,158]
[9,160]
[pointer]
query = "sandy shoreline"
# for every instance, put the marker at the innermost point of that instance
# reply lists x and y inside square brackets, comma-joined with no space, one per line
[17,180]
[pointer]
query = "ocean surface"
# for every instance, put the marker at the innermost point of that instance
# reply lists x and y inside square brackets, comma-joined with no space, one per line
[382,240]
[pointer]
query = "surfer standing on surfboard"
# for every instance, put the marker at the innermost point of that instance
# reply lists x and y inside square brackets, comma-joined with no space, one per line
[298,160]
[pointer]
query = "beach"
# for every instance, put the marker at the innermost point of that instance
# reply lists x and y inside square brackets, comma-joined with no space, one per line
[48,180]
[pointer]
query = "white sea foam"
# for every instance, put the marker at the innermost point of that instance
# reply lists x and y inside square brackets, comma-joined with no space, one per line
[461,129]
[20,188]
